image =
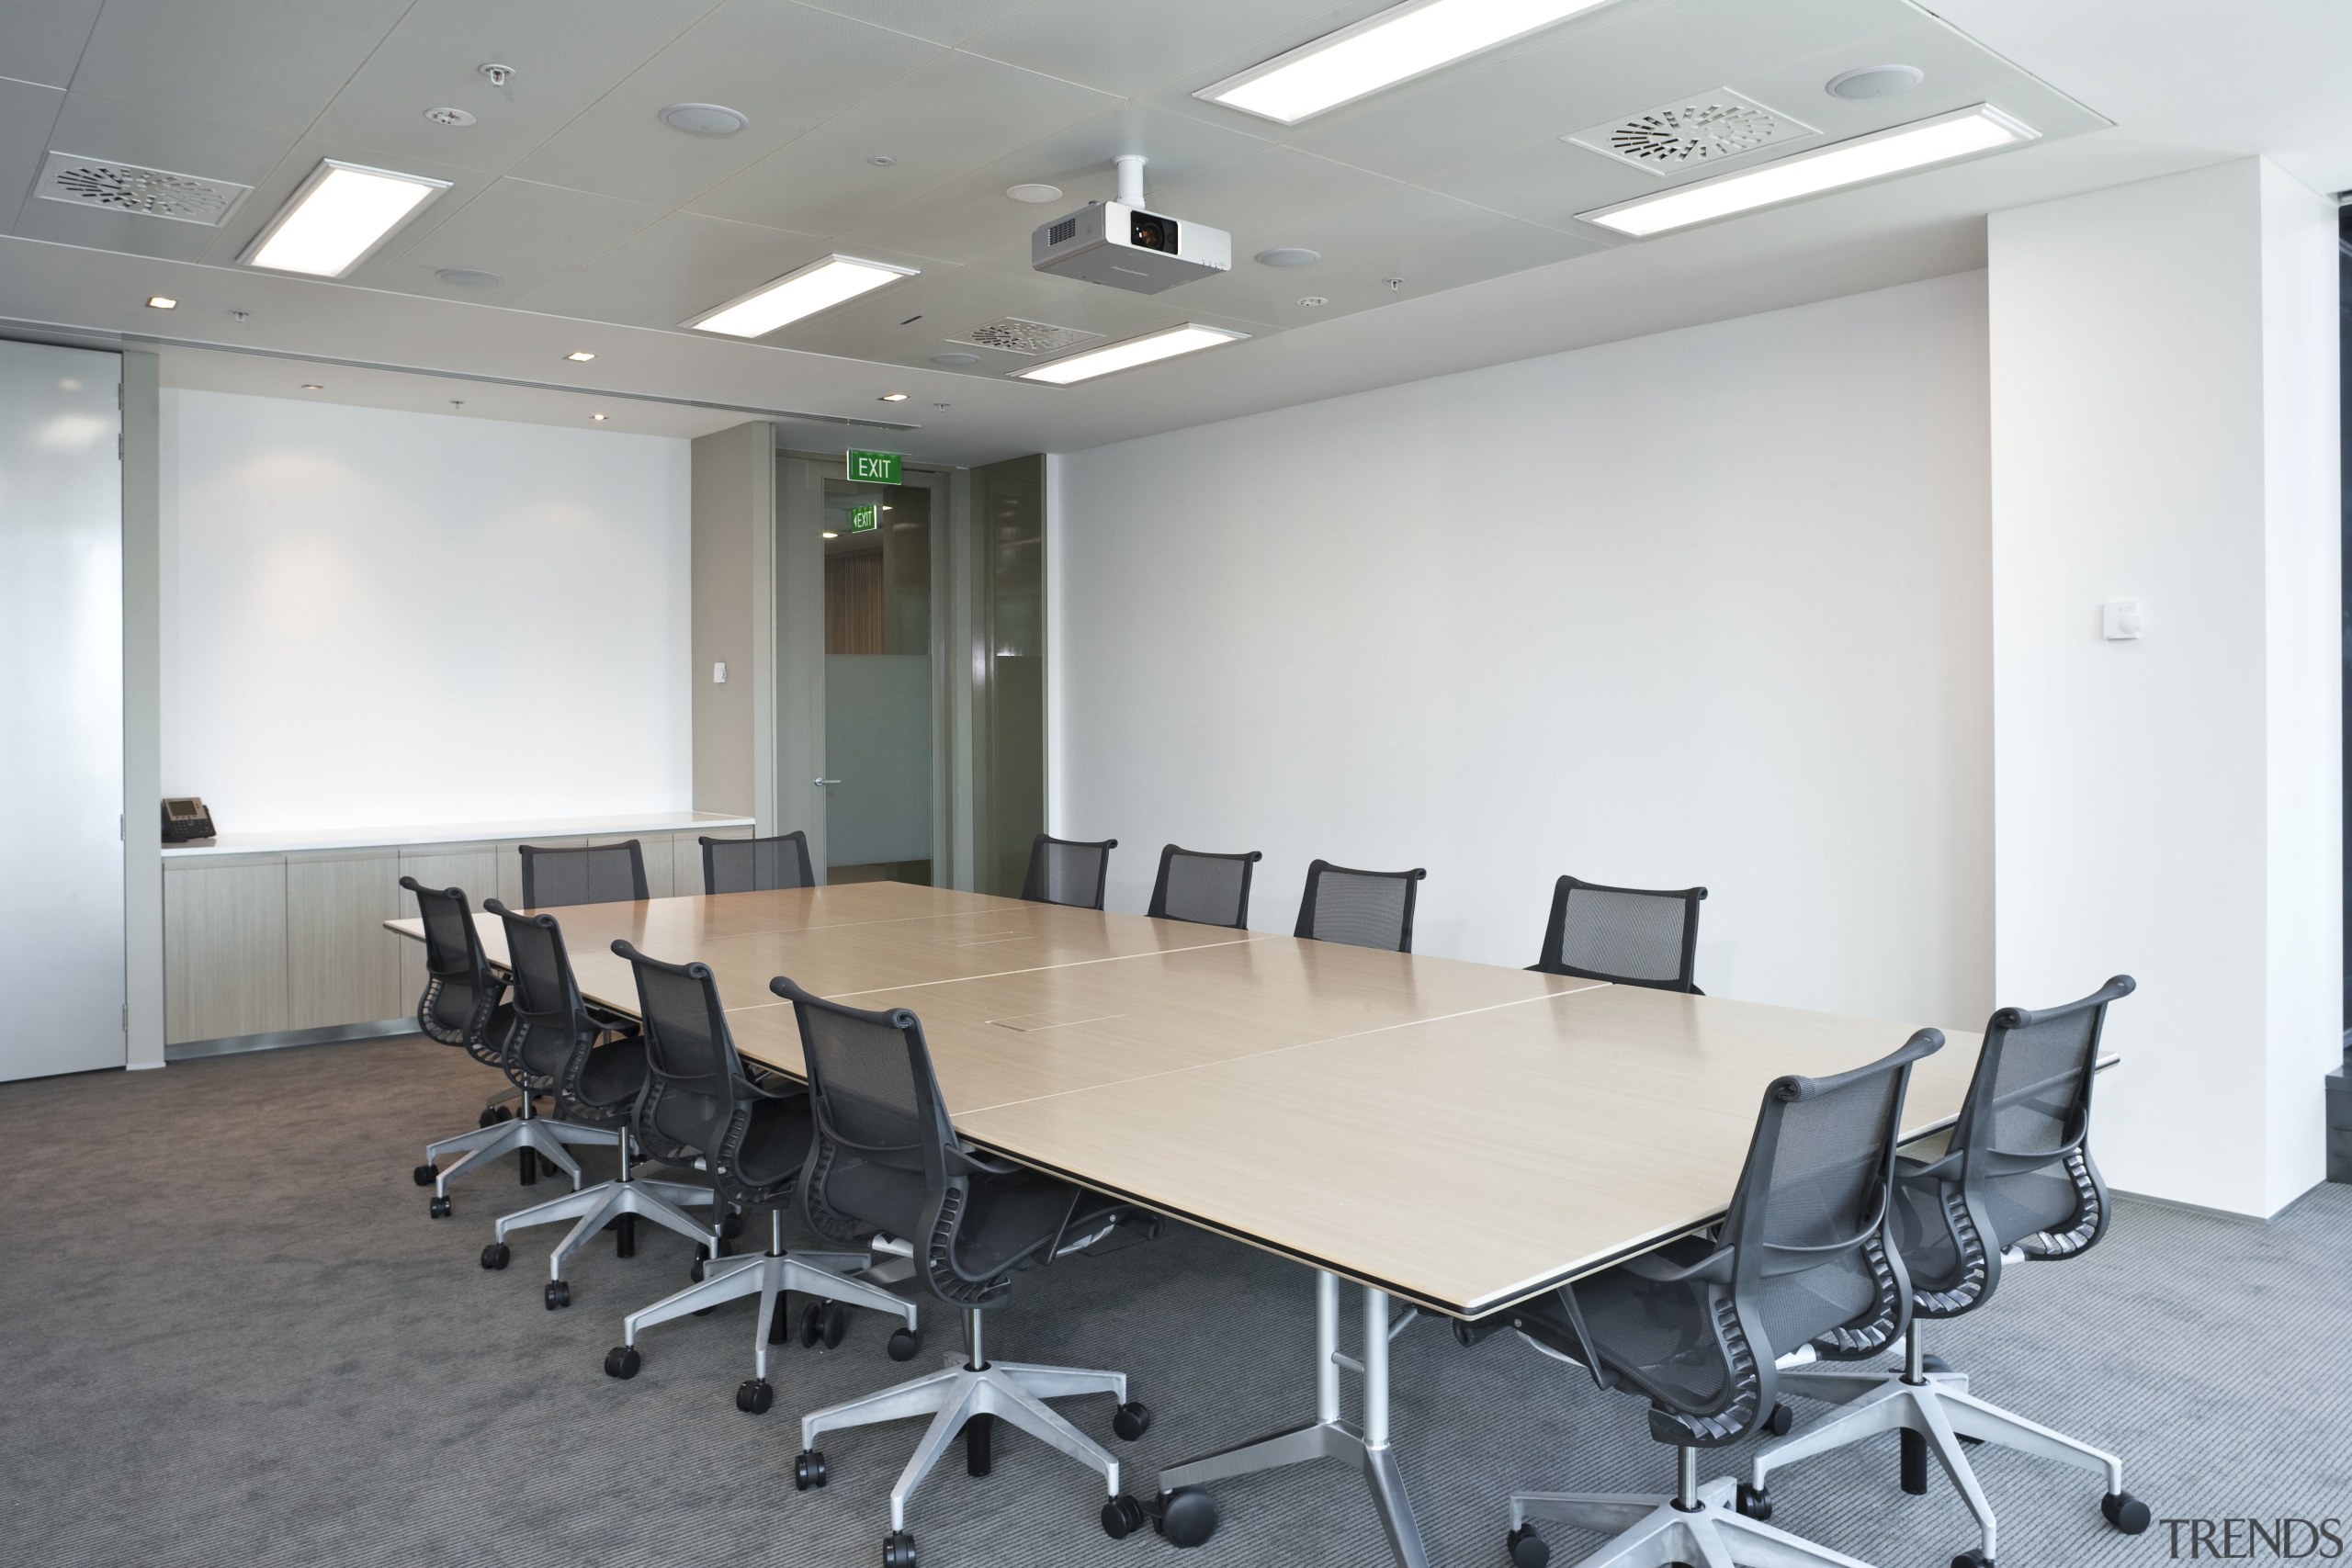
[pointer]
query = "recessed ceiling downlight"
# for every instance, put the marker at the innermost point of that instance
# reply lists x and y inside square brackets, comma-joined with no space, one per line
[1874,82]
[955,359]
[1289,256]
[1034,192]
[468,278]
[704,119]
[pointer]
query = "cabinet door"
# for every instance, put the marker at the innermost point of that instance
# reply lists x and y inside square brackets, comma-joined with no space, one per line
[224,947]
[474,867]
[687,875]
[342,966]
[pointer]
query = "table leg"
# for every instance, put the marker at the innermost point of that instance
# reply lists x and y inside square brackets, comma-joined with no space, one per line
[1328,1436]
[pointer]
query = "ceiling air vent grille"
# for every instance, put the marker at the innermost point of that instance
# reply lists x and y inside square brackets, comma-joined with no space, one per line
[127,187]
[1016,336]
[1707,129]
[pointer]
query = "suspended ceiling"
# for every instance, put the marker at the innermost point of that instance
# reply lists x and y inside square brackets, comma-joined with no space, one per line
[1443,210]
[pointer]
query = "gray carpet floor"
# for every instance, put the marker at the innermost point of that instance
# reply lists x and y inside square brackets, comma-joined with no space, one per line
[237,1339]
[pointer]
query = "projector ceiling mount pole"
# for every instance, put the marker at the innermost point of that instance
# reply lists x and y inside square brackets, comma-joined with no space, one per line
[1130,178]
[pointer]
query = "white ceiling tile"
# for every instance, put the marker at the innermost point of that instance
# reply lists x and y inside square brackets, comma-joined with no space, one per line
[42,43]
[675,268]
[1126,49]
[566,55]
[785,66]
[949,117]
[941,21]
[26,112]
[525,232]
[1431,242]
[259,62]
[971,219]
[1268,191]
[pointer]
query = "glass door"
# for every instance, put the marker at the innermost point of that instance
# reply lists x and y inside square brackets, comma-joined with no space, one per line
[865,559]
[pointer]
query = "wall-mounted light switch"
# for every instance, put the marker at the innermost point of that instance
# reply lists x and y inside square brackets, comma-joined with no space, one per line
[718,671]
[2122,619]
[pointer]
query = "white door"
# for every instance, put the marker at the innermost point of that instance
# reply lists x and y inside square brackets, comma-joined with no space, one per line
[61,708]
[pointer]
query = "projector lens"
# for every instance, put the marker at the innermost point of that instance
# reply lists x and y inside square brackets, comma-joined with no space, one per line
[1150,234]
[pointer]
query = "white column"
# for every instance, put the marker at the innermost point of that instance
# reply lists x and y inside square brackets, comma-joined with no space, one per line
[2164,425]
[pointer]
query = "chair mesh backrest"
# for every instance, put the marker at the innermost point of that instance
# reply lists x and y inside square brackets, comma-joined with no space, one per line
[2028,1113]
[1632,935]
[871,1084]
[1813,1198]
[756,865]
[605,874]
[1068,871]
[1363,908]
[547,1010]
[694,1076]
[1206,889]
[458,975]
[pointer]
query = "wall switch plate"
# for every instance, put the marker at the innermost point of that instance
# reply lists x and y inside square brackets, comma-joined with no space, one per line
[2122,619]
[718,671]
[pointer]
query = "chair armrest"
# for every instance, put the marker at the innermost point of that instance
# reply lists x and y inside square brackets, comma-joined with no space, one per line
[1714,1270]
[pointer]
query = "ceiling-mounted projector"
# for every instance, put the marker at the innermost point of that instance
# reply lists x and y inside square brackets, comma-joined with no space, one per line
[1120,243]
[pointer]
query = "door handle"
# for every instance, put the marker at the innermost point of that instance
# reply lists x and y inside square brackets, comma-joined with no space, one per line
[823,783]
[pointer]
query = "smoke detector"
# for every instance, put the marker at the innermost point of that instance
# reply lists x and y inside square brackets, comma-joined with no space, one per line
[148,193]
[1704,129]
[1016,336]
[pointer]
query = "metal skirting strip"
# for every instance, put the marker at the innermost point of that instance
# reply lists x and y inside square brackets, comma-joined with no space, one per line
[282,1039]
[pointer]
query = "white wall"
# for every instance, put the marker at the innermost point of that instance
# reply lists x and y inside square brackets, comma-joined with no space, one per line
[2164,430]
[1704,607]
[373,618]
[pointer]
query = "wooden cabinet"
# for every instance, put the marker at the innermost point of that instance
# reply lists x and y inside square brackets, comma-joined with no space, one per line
[225,946]
[339,968]
[265,942]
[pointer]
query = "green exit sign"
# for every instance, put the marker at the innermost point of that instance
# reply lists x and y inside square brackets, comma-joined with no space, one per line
[873,468]
[865,518]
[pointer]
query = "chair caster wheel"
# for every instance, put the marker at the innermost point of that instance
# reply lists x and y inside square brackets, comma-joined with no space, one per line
[1132,1420]
[898,1550]
[559,1295]
[1122,1516]
[731,1226]
[1187,1517]
[1755,1502]
[905,1343]
[825,1323]
[1934,1364]
[424,1175]
[2125,1512]
[495,1257]
[493,1116]
[808,1469]
[753,1397]
[622,1361]
[439,1207]
[1527,1549]
[1780,1420]
[1972,1558]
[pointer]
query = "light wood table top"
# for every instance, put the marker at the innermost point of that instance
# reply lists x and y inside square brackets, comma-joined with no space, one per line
[1465,1163]
[1047,1031]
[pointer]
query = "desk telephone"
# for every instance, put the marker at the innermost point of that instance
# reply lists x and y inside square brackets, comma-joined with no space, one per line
[185,820]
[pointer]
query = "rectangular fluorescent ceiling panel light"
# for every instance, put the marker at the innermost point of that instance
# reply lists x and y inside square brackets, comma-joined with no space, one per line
[819,285]
[1396,45]
[337,218]
[1962,134]
[1167,344]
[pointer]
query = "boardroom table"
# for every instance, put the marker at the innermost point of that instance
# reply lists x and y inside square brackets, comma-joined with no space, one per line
[1457,1137]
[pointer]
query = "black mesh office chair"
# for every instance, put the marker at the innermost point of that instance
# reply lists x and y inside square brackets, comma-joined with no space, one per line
[1805,1255]
[2015,1184]
[756,865]
[464,1004]
[1206,889]
[555,1041]
[886,1158]
[1363,908]
[602,873]
[753,1136]
[1630,936]
[1068,871]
